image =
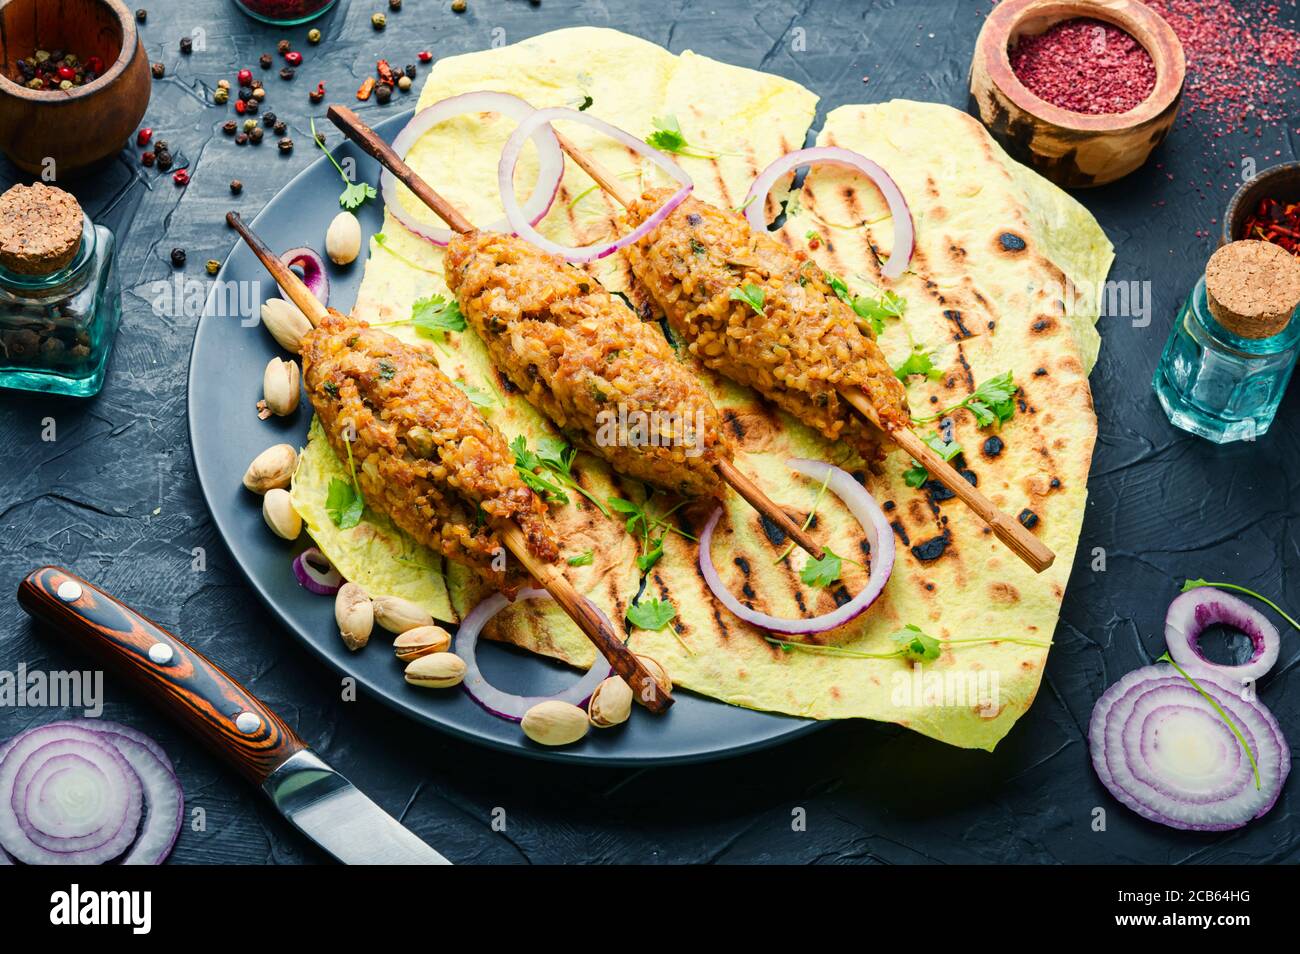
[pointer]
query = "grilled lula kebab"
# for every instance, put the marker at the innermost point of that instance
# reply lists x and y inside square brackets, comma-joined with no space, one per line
[576,352]
[797,344]
[426,458]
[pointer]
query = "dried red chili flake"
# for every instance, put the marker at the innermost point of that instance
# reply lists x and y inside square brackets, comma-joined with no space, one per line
[1086,66]
[1276,222]
[385,72]
[367,87]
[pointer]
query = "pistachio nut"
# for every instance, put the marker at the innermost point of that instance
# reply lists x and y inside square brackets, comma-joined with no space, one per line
[436,671]
[355,614]
[398,615]
[658,672]
[343,239]
[286,323]
[280,386]
[555,723]
[277,510]
[421,641]
[611,703]
[272,468]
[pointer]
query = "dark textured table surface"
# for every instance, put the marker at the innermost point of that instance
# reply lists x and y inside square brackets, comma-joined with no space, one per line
[114,497]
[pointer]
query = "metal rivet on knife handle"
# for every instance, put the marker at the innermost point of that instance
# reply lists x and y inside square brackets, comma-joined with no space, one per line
[161,653]
[69,591]
[247,722]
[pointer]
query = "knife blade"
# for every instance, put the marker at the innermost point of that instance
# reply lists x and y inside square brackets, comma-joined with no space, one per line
[230,720]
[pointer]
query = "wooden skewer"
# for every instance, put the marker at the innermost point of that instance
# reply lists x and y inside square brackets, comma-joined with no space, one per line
[1010,531]
[608,641]
[355,129]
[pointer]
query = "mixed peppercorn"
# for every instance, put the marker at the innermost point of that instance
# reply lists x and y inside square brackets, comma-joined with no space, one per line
[57,69]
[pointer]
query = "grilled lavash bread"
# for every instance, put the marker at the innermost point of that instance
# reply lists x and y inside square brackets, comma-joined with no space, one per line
[965,195]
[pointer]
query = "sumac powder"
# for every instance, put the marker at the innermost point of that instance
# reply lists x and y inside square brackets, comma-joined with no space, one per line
[1085,66]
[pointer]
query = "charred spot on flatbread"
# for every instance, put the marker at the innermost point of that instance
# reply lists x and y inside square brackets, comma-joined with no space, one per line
[930,550]
[993,446]
[1028,518]
[1012,242]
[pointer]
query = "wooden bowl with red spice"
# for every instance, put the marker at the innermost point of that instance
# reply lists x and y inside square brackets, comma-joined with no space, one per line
[1080,91]
[76,127]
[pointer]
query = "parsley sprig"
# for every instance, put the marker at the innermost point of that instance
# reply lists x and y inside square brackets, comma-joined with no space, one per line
[649,529]
[873,310]
[344,502]
[651,614]
[993,402]
[920,362]
[354,193]
[668,137]
[549,469]
[751,295]
[913,644]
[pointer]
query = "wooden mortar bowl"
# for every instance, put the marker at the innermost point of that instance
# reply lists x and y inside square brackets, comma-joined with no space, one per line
[1074,149]
[81,126]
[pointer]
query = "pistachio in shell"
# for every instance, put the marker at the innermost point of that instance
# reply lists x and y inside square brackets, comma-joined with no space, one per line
[436,671]
[355,614]
[286,322]
[555,723]
[280,515]
[271,469]
[611,703]
[343,239]
[421,641]
[280,386]
[398,615]
[658,672]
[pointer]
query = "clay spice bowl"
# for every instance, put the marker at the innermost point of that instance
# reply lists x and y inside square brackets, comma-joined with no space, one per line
[80,126]
[1074,149]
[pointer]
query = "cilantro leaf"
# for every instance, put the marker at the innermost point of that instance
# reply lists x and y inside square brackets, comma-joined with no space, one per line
[435,316]
[585,104]
[355,194]
[477,396]
[916,475]
[343,504]
[822,572]
[944,448]
[918,362]
[993,402]
[873,310]
[752,295]
[916,645]
[838,286]
[667,136]
[556,455]
[652,614]
[526,465]
[582,559]
[652,556]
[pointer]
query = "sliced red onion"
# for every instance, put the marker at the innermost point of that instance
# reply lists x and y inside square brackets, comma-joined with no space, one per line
[313,271]
[523,227]
[1161,749]
[1196,610]
[505,704]
[316,574]
[163,796]
[83,809]
[904,229]
[879,534]
[550,160]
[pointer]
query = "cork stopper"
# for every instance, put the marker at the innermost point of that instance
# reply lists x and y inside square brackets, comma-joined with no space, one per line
[40,229]
[1253,287]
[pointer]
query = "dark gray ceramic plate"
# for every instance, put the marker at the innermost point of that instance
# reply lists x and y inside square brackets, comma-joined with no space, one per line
[225,383]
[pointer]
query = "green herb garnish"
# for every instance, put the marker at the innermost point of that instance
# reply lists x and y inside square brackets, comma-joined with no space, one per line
[554,458]
[913,644]
[872,310]
[947,449]
[582,559]
[919,362]
[477,396]
[354,193]
[822,572]
[993,402]
[644,526]
[652,614]
[344,502]
[916,475]
[435,316]
[668,137]
[752,295]
[916,644]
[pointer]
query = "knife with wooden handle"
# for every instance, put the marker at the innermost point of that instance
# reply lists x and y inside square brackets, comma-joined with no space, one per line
[228,718]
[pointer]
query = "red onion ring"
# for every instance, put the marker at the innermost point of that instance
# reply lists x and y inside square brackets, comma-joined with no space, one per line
[506,705]
[1159,747]
[313,271]
[589,253]
[164,799]
[904,229]
[550,170]
[1196,610]
[879,534]
[313,579]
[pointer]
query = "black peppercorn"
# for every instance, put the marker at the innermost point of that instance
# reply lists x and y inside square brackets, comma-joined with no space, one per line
[394,5]
[285,146]
[251,106]
[163,160]
[141,15]
[178,257]
[316,95]
[245,93]
[268,118]
[160,145]
[255,85]
[236,187]
[158,70]
[230,127]
[383,94]
[283,47]
[255,135]
[410,70]
[287,73]
[280,128]
[265,61]
[187,45]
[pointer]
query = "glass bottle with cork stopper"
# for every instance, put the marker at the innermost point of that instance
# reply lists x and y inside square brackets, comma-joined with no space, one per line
[59,297]
[1230,354]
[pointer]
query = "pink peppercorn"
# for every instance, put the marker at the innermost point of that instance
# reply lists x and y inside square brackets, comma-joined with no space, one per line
[293,58]
[424,56]
[245,77]
[181,177]
[143,136]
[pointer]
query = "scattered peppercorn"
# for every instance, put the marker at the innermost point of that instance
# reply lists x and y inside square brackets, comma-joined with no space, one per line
[223,84]
[181,177]
[280,128]
[230,127]
[411,70]
[236,187]
[245,77]
[384,72]
[268,119]
[143,136]
[147,158]
[458,6]
[383,94]
[251,106]
[158,70]
[317,94]
[259,94]
[241,139]
[320,139]
[379,21]
[394,5]
[255,85]
[178,258]
[255,134]
[404,84]
[220,96]
[250,125]
[187,45]
[313,36]
[162,159]
[293,58]
[367,87]
[141,15]
[241,106]
[265,61]
[285,146]
[424,56]
[288,73]
[213,266]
